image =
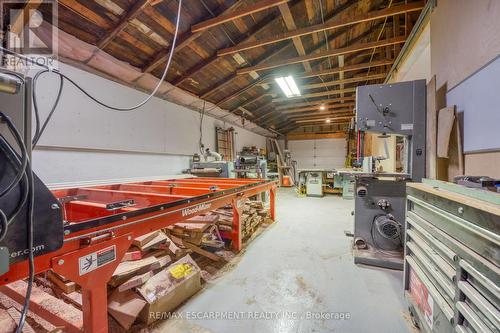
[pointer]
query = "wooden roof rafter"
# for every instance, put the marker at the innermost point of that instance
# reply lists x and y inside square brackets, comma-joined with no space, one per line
[130,15]
[331,53]
[338,113]
[316,94]
[287,16]
[184,40]
[227,17]
[294,105]
[316,108]
[333,24]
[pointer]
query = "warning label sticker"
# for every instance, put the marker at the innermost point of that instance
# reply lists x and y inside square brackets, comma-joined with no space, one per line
[422,298]
[93,261]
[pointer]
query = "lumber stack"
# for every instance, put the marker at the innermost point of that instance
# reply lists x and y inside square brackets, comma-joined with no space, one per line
[199,235]
[253,214]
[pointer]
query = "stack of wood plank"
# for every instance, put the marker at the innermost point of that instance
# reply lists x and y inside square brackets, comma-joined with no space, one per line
[148,255]
[225,214]
[254,213]
[197,235]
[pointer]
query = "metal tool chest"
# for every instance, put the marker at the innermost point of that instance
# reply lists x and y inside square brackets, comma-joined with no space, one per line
[452,252]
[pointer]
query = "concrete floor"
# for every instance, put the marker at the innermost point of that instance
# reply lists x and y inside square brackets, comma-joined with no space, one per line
[299,267]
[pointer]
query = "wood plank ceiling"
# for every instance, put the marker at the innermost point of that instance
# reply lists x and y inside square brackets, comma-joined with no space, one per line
[230,51]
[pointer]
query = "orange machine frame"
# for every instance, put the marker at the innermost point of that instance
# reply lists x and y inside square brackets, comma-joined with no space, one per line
[93,225]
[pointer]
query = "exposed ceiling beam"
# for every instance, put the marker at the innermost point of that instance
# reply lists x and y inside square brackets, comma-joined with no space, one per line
[333,24]
[324,114]
[317,102]
[248,10]
[261,108]
[18,22]
[317,94]
[250,101]
[85,13]
[290,25]
[240,91]
[272,119]
[324,119]
[345,81]
[264,116]
[285,125]
[316,135]
[345,50]
[348,68]
[316,108]
[130,15]
[184,40]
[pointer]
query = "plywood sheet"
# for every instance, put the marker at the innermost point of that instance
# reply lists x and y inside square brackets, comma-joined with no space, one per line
[446,119]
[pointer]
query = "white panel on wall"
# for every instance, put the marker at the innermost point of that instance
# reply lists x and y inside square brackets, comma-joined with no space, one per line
[318,154]
[478,98]
[85,141]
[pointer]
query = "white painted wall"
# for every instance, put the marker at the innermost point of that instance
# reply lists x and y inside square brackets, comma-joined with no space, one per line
[417,65]
[86,142]
[318,154]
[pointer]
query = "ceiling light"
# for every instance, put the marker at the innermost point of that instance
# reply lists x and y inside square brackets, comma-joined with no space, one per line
[288,86]
[239,59]
[322,107]
[327,121]
[254,75]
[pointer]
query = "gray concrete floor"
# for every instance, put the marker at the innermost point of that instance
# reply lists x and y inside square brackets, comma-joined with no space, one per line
[302,266]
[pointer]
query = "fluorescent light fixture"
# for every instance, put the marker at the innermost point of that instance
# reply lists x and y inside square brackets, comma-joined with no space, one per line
[239,59]
[288,86]
[254,75]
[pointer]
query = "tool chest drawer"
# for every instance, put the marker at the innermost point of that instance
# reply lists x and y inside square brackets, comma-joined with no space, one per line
[451,269]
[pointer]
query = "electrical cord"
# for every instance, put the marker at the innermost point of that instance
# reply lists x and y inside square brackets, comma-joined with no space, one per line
[202,116]
[31,258]
[4,224]
[22,169]
[27,175]
[24,154]
[39,130]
